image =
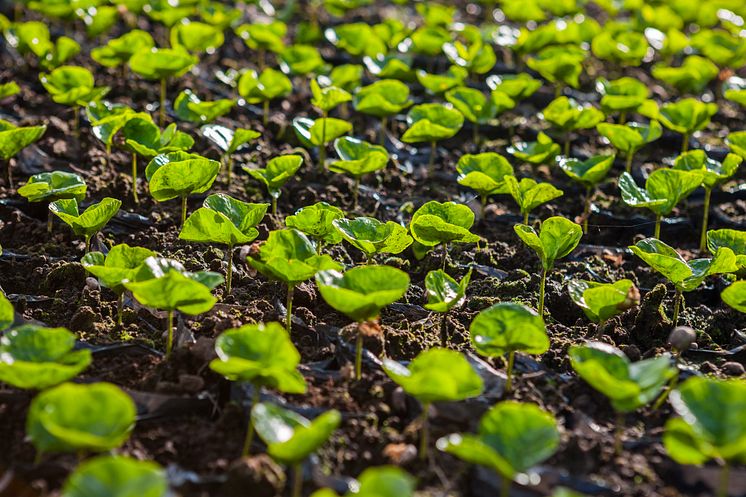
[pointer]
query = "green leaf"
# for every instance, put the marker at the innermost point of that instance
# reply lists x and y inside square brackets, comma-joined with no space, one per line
[290,437]
[443,292]
[173,291]
[735,296]
[436,375]
[7,314]
[687,115]
[692,76]
[92,220]
[262,354]
[622,95]
[143,137]
[116,476]
[589,172]
[259,88]
[624,47]
[559,65]
[558,237]
[13,139]
[664,189]
[714,172]
[382,98]
[317,221]
[473,104]
[277,172]
[432,122]
[225,220]
[319,132]
[263,36]
[516,86]
[188,107]
[302,60]
[358,157]
[529,194]
[508,327]
[511,439]
[435,223]
[630,137]
[734,240]
[737,143]
[69,417]
[53,186]
[161,63]
[9,89]
[196,37]
[541,151]
[158,267]
[71,85]
[228,140]
[601,301]
[371,236]
[118,51]
[737,95]
[441,83]
[118,266]
[566,115]
[34,357]
[485,173]
[357,39]
[178,174]
[328,97]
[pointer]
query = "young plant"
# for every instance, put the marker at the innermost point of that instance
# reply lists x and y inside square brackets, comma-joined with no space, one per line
[115,268]
[382,99]
[371,236]
[664,188]
[624,96]
[621,46]
[435,375]
[630,137]
[360,294]
[685,275]
[275,174]
[317,221]
[512,438]
[381,481]
[737,142]
[734,240]
[567,115]
[326,99]
[470,51]
[119,476]
[94,417]
[475,107]
[602,301]
[541,151]
[263,88]
[302,60]
[196,37]
[36,358]
[714,174]
[13,139]
[560,65]
[72,86]
[438,84]
[188,107]
[33,37]
[170,290]
[48,187]
[178,175]
[692,76]
[263,37]
[685,117]
[530,194]
[735,295]
[443,294]
[160,64]
[588,173]
[517,87]
[224,220]
[108,119]
[118,51]
[484,173]
[229,142]
[292,438]
[708,427]
[358,158]
[431,123]
[90,221]
[558,237]
[290,257]
[437,223]
[507,328]
[319,133]
[628,385]
[7,313]
[263,355]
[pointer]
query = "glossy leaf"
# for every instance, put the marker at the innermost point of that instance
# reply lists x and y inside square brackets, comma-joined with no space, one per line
[485,173]
[13,139]
[120,265]
[541,151]
[432,122]
[161,63]
[277,172]
[317,221]
[664,189]
[714,172]
[91,220]
[188,107]
[258,88]
[71,85]
[601,301]
[529,194]
[630,137]
[508,327]
[589,172]
[53,186]
[358,157]
[382,98]
[566,114]
[447,222]
[225,220]
[173,291]
[178,174]
[371,236]
[116,476]
[687,115]
[558,237]
[443,292]
[735,296]
[118,51]
[319,132]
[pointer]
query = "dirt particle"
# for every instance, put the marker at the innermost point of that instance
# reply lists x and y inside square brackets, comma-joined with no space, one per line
[732,368]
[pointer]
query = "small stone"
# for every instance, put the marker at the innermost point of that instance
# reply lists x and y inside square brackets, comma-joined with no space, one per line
[732,368]
[708,367]
[400,453]
[92,284]
[244,253]
[681,338]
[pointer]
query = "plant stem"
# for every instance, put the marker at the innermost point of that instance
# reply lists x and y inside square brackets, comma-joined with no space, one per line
[424,431]
[628,164]
[108,156]
[685,143]
[623,117]
[355,193]
[557,91]
[567,145]
[162,107]
[289,308]
[183,209]
[134,179]
[431,164]
[359,354]
[676,305]
[50,221]
[504,486]
[724,480]
[120,308]
[705,220]
[657,233]
[170,326]
[443,330]
[88,243]
[265,111]
[509,372]
[475,135]
[274,205]
[618,434]
[542,289]
[587,210]
[445,255]
[255,398]
[525,218]
[322,147]
[229,169]
[297,480]
[229,273]
[382,131]
[483,204]
[76,121]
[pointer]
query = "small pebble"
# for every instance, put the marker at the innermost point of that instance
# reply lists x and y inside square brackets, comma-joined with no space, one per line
[92,284]
[732,368]
[681,338]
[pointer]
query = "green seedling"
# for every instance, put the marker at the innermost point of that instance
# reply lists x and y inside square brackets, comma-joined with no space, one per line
[118,51]
[735,95]
[345,76]
[319,133]
[118,476]
[664,188]
[94,417]
[686,116]
[229,142]
[381,481]
[292,438]
[470,51]
[225,220]
[262,88]
[708,427]
[737,143]
[589,173]
[358,158]
[443,294]
[628,385]
[474,106]
[9,89]
[275,174]
[440,223]
[512,438]
[302,60]
[602,301]
[360,294]
[196,37]
[120,265]
[721,47]
[392,66]
[734,240]
[36,358]
[188,107]
[290,257]
[623,47]
[107,119]
[558,237]
[530,194]
[371,236]
[317,222]
[72,86]
[90,221]
[326,99]
[541,151]
[160,64]
[48,187]
[484,173]
[263,355]
[382,99]
[714,174]
[33,38]
[735,296]
[13,139]
[431,123]
[516,86]
[561,66]
[429,40]
[566,115]
[357,39]
[692,76]
[263,37]
[685,275]
[220,15]
[438,84]
[630,137]
[7,314]
[624,95]
[507,328]
[435,375]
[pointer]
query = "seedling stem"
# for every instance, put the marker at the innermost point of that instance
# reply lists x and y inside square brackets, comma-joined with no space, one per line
[587,209]
[120,308]
[425,431]
[382,131]
[724,478]
[265,111]
[134,179]
[355,193]
[509,372]
[322,147]
[705,220]
[162,107]
[505,487]
[542,288]
[50,221]
[676,305]
[618,433]
[170,325]
[229,274]
[431,164]
[443,330]
[297,480]
[289,308]
[183,209]
[359,354]
[628,164]
[255,398]
[657,226]
[685,143]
